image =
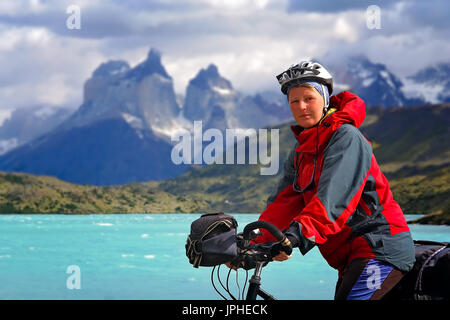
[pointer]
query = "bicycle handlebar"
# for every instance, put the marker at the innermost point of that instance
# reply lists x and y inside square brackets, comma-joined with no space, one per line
[281,238]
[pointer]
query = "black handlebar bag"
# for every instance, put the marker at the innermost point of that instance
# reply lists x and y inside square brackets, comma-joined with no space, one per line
[212,240]
[432,269]
[430,276]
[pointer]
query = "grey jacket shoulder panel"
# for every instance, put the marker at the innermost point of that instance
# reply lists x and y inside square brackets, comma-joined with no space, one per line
[346,162]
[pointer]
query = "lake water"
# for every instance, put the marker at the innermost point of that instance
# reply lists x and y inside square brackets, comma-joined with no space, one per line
[139,256]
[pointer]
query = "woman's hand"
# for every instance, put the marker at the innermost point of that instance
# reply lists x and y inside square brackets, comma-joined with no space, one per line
[229,265]
[282,256]
[277,252]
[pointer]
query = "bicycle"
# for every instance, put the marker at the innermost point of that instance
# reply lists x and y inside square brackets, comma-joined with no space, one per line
[259,255]
[413,286]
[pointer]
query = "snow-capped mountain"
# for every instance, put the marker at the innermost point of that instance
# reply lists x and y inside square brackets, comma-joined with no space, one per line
[212,99]
[431,84]
[21,125]
[122,131]
[143,95]
[118,135]
[373,82]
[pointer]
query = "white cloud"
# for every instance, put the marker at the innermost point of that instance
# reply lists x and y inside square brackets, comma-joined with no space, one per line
[249,40]
[237,4]
[43,68]
[257,48]
[16,7]
[5,115]
[8,144]
[346,30]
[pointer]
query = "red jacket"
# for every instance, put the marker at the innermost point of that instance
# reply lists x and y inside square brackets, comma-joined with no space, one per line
[348,210]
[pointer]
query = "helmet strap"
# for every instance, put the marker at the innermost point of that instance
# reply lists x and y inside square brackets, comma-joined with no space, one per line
[326,103]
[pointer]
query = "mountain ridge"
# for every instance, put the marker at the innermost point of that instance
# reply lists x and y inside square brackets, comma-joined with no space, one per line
[144,97]
[422,188]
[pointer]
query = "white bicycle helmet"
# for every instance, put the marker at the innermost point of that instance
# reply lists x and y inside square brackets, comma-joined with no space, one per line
[305,71]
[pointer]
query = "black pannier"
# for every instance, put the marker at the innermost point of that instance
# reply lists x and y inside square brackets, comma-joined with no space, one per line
[212,240]
[430,276]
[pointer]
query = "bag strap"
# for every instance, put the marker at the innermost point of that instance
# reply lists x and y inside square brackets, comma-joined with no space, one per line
[195,257]
[418,286]
[211,227]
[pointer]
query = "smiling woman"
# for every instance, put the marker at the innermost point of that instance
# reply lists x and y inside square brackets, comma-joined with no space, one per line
[332,193]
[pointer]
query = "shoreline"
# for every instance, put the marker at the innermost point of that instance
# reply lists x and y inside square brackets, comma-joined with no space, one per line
[422,219]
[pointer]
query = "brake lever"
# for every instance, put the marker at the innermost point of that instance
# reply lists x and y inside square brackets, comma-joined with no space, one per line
[244,243]
[254,252]
[255,234]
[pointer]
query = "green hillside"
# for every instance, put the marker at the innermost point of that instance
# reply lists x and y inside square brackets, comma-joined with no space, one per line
[26,193]
[410,145]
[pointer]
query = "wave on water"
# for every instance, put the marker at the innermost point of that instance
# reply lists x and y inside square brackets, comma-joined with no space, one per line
[171,234]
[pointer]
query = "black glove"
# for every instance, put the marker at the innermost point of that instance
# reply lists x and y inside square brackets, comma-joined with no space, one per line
[297,239]
[276,248]
[291,234]
[246,261]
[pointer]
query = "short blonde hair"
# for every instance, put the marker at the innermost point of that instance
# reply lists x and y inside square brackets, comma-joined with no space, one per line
[303,85]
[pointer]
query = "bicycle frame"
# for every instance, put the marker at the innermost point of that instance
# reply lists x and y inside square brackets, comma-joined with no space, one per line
[260,259]
[254,289]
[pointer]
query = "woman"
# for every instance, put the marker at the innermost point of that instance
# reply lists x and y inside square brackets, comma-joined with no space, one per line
[332,193]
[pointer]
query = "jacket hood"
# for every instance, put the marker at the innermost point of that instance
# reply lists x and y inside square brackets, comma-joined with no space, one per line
[349,109]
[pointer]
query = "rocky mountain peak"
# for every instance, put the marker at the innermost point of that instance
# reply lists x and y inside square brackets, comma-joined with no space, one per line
[373,82]
[151,65]
[210,78]
[111,69]
[145,92]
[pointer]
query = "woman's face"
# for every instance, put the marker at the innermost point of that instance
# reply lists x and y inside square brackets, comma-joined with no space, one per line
[306,106]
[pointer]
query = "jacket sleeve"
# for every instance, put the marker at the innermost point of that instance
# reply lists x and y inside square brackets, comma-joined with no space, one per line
[284,204]
[346,165]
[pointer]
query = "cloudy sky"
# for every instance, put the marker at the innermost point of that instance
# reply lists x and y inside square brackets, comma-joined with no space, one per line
[46,63]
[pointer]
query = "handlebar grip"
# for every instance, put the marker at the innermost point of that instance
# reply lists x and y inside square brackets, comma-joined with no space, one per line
[265,225]
[281,238]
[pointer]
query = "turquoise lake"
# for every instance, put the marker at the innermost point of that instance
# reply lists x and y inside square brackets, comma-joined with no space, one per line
[140,256]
